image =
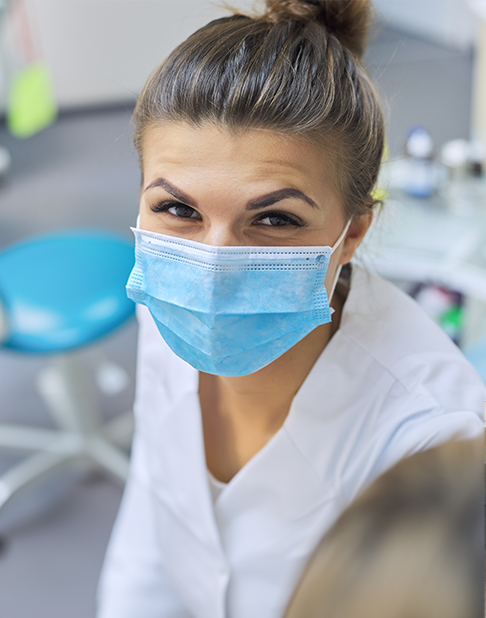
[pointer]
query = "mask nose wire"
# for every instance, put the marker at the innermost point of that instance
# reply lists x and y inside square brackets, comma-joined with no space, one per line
[338,269]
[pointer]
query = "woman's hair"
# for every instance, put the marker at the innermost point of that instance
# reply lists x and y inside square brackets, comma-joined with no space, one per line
[296,69]
[411,546]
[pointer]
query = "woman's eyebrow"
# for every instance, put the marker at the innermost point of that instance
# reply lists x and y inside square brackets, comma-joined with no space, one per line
[277,196]
[260,202]
[174,191]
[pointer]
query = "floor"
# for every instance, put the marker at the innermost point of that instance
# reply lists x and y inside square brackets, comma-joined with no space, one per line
[83,172]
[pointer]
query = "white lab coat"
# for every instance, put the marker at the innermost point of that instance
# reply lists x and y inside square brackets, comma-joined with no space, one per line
[389,383]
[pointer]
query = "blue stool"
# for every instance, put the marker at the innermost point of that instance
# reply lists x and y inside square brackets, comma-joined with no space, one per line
[58,293]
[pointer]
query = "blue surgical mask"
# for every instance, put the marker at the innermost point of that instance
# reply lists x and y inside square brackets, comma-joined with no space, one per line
[230,311]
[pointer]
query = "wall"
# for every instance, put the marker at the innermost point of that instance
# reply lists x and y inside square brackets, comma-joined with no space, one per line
[101,51]
[448,22]
[479,91]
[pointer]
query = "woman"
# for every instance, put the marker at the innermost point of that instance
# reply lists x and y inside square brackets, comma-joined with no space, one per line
[265,401]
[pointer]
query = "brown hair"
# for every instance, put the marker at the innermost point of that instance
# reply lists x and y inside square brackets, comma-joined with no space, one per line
[296,69]
[412,545]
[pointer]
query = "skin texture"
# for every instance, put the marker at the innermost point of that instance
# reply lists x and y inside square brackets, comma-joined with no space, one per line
[221,173]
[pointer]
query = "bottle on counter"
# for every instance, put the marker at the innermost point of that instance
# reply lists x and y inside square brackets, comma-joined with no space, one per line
[420,172]
[464,186]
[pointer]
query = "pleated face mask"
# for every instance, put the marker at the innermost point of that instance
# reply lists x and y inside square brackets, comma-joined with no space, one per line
[230,311]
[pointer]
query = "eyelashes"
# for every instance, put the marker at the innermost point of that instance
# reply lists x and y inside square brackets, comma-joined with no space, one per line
[279,219]
[182,211]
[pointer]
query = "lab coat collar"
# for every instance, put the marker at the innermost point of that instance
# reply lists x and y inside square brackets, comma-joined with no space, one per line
[180,472]
[262,509]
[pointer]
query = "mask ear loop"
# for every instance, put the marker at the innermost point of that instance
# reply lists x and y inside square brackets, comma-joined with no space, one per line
[338,269]
[343,234]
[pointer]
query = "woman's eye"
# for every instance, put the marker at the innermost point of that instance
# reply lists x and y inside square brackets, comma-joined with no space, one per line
[181,210]
[177,210]
[275,219]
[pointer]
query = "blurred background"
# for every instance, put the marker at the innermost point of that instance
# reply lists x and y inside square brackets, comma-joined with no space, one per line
[70,72]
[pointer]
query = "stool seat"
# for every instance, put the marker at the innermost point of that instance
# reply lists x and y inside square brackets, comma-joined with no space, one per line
[63,290]
[58,292]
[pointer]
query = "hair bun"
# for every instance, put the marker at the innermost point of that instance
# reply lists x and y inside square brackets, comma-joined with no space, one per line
[348,20]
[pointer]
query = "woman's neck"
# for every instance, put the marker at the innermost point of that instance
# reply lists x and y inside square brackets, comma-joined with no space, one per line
[264,397]
[240,414]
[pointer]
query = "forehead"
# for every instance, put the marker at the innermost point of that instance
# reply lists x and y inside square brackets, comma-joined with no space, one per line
[251,154]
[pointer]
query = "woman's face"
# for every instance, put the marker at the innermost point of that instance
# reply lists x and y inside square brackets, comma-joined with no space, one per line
[254,187]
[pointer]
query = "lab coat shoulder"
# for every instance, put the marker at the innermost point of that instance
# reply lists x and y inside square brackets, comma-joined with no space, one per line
[389,383]
[421,359]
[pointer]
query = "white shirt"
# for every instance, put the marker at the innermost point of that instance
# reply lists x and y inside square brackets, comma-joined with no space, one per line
[389,383]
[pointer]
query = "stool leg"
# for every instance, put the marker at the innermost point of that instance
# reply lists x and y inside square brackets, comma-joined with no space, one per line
[26,438]
[120,430]
[69,395]
[109,457]
[28,471]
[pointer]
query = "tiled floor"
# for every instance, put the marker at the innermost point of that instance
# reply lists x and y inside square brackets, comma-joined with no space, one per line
[83,172]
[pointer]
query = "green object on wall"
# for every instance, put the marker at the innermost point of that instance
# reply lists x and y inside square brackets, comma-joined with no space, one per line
[31,105]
